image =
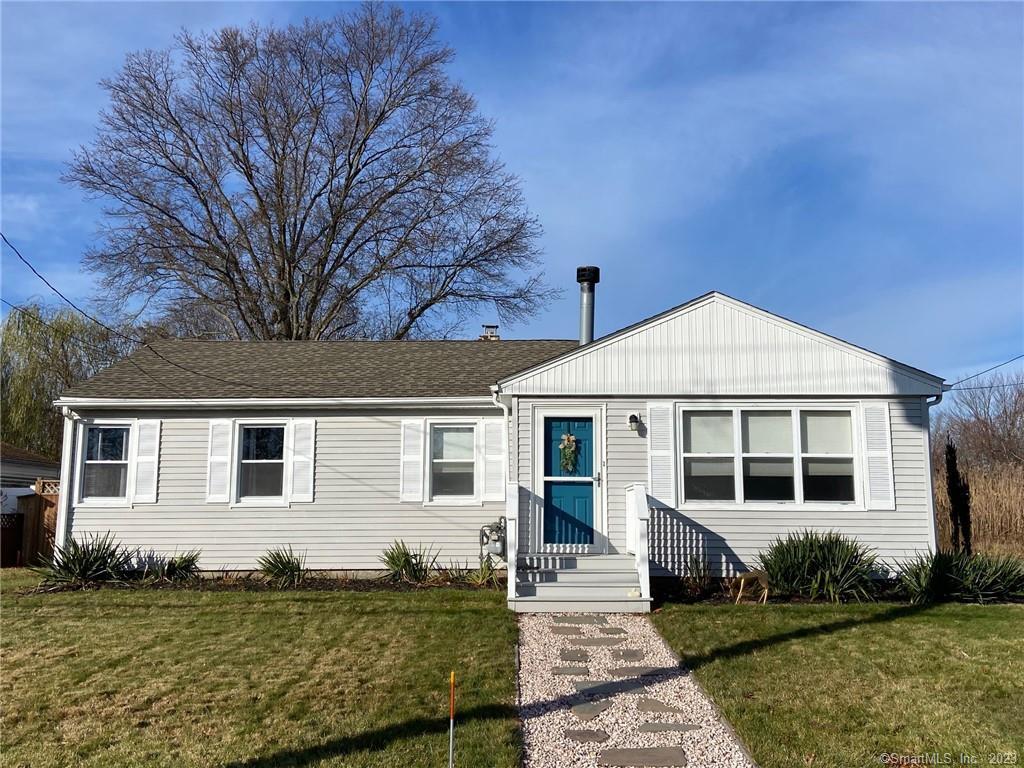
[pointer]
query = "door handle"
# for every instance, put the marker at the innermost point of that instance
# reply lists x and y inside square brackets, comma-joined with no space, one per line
[597,479]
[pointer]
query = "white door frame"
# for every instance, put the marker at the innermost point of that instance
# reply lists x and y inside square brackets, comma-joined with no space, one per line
[570,410]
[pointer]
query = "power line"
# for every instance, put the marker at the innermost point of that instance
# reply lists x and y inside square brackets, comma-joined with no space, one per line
[25,313]
[976,375]
[990,386]
[114,331]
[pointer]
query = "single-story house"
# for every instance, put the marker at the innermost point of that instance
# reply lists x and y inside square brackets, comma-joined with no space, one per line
[704,431]
[20,468]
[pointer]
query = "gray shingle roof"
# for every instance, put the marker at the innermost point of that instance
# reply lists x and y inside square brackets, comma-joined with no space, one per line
[213,369]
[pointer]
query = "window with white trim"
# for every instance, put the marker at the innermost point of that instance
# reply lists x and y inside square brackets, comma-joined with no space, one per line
[709,459]
[827,460]
[261,461]
[768,455]
[452,468]
[105,462]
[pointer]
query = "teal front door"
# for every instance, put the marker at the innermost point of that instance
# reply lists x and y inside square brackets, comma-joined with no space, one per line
[569,484]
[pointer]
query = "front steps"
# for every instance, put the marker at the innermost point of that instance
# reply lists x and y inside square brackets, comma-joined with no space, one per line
[577,584]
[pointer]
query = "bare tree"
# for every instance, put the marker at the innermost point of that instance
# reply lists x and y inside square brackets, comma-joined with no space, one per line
[986,420]
[313,182]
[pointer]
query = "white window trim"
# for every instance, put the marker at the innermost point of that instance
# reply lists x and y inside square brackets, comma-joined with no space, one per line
[105,501]
[237,500]
[859,503]
[429,499]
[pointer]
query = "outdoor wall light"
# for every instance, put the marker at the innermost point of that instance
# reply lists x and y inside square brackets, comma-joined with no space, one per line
[634,422]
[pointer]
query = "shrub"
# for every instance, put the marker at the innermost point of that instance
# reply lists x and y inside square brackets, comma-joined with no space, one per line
[961,577]
[93,560]
[404,564]
[820,565]
[486,575]
[183,567]
[283,568]
[696,582]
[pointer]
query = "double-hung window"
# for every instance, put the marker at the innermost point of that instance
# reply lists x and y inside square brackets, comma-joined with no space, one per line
[709,456]
[261,461]
[768,455]
[827,460]
[452,461]
[105,462]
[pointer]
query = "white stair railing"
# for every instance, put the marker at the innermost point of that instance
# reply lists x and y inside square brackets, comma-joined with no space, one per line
[512,535]
[638,516]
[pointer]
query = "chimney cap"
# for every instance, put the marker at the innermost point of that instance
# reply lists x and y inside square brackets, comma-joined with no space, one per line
[490,332]
[590,275]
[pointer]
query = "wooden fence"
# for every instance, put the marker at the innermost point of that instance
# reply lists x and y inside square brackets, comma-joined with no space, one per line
[40,521]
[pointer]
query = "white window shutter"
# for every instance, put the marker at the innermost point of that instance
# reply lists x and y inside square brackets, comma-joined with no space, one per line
[218,461]
[661,440]
[412,460]
[147,458]
[492,455]
[879,489]
[302,459]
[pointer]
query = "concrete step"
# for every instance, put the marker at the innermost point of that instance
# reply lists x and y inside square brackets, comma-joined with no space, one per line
[563,605]
[585,591]
[577,576]
[576,562]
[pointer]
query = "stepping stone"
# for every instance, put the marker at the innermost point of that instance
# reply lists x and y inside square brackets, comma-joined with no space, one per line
[587,619]
[609,687]
[653,705]
[594,642]
[568,655]
[611,630]
[590,709]
[570,629]
[639,671]
[627,654]
[580,671]
[586,737]
[667,727]
[659,757]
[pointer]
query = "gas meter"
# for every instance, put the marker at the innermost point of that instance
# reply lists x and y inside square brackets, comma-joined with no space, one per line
[492,538]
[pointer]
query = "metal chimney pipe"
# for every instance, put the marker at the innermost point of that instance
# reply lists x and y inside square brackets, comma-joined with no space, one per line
[587,277]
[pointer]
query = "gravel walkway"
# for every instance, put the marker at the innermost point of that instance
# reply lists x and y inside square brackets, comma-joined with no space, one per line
[546,699]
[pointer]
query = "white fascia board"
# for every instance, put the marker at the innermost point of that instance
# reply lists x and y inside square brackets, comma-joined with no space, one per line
[276,402]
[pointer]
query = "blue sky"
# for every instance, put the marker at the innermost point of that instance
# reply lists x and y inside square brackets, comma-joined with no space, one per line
[856,167]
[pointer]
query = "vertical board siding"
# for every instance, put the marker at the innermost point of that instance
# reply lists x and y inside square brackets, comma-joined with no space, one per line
[719,346]
[355,515]
[732,538]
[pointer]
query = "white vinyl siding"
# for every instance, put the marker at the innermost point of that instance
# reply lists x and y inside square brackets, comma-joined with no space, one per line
[717,346]
[356,513]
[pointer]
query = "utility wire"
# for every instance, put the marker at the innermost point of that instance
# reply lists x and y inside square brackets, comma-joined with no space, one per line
[114,331]
[991,386]
[976,375]
[26,313]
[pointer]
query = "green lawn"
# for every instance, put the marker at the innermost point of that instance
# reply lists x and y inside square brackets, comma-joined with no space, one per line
[841,685]
[186,678]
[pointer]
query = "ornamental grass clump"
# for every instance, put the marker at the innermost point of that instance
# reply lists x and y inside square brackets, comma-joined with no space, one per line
[409,565]
[178,568]
[88,562]
[817,565]
[961,577]
[283,568]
